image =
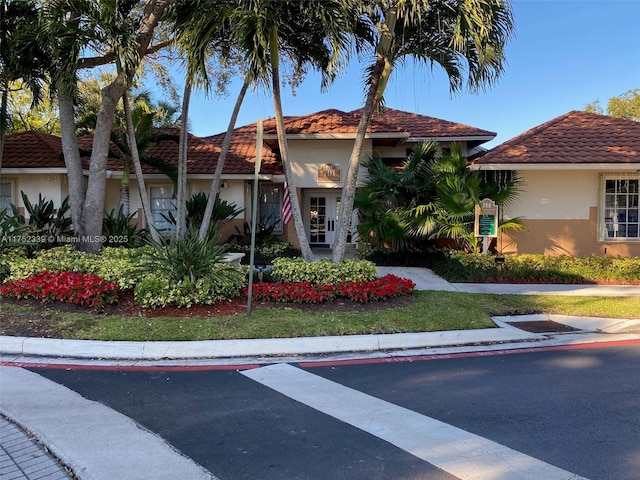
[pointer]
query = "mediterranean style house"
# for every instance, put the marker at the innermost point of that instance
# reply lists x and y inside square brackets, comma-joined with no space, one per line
[319,146]
[581,174]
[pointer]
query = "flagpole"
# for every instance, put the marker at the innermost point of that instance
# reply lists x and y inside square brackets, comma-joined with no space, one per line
[254,215]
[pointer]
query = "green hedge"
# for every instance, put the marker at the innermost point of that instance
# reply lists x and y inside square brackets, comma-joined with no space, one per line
[115,264]
[457,266]
[322,271]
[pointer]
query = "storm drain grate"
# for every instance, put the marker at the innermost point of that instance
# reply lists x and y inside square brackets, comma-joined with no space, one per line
[543,326]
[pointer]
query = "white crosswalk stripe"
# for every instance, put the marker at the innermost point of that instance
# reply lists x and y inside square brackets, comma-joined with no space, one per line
[456,451]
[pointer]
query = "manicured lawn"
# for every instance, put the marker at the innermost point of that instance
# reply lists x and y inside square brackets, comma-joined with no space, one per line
[431,311]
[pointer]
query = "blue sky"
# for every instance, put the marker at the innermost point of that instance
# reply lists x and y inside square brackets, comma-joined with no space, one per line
[565,54]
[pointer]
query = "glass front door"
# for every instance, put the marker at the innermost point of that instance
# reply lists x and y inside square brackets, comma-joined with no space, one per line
[323,216]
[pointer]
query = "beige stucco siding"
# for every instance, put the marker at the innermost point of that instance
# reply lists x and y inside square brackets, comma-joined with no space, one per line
[308,155]
[556,195]
[52,187]
[564,237]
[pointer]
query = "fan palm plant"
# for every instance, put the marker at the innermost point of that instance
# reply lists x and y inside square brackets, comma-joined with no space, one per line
[464,37]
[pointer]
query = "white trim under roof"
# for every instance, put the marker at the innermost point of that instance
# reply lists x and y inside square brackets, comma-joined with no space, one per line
[36,171]
[626,167]
[451,139]
[336,136]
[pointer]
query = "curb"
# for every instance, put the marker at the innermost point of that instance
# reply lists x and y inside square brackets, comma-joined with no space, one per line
[114,350]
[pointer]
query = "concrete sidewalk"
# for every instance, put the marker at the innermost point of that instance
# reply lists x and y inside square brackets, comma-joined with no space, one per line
[44,424]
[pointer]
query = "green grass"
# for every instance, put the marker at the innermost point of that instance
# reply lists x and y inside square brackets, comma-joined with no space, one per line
[431,311]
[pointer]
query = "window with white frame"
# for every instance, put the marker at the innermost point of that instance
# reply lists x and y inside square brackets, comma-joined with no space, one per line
[5,197]
[621,207]
[163,204]
[271,207]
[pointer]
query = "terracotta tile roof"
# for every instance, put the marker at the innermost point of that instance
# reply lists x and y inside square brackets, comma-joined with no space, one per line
[574,138]
[32,150]
[388,121]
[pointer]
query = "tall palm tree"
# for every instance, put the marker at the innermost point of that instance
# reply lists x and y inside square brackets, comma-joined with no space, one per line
[21,56]
[312,33]
[110,29]
[461,36]
[202,29]
[146,135]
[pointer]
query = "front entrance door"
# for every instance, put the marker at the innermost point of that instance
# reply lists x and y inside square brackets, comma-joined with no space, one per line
[323,210]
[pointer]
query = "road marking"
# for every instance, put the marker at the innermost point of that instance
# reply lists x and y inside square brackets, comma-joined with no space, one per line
[456,451]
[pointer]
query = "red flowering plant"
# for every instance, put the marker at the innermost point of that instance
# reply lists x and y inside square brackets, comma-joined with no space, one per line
[293,292]
[381,288]
[69,287]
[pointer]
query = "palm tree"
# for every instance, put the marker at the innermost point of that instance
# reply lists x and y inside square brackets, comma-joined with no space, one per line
[315,33]
[457,190]
[21,56]
[388,194]
[202,31]
[111,30]
[458,35]
[146,135]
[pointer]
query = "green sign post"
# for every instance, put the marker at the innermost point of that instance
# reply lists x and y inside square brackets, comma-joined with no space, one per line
[486,224]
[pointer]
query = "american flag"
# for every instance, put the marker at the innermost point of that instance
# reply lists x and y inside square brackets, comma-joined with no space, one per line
[286,205]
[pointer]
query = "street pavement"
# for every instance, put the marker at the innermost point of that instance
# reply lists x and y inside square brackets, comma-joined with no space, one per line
[25,407]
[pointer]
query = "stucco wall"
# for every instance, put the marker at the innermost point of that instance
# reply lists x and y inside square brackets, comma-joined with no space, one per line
[556,195]
[308,155]
[51,187]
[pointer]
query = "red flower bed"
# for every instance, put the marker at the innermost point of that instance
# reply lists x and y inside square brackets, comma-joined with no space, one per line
[69,287]
[304,292]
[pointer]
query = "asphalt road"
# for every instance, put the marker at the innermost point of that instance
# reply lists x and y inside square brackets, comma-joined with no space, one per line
[573,409]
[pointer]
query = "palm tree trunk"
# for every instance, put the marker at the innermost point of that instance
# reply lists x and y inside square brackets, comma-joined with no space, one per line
[296,213]
[137,168]
[224,150]
[181,194]
[377,84]
[3,118]
[351,178]
[72,159]
[125,202]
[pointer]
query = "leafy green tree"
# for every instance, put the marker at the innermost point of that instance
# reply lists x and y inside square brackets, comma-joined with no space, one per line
[464,37]
[26,115]
[626,105]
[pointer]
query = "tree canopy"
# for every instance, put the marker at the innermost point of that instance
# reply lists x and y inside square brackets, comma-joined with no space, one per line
[625,105]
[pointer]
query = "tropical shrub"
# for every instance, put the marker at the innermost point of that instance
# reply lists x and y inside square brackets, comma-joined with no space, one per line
[268,251]
[322,271]
[118,265]
[430,196]
[196,206]
[47,226]
[223,283]
[120,231]
[184,271]
[362,291]
[69,287]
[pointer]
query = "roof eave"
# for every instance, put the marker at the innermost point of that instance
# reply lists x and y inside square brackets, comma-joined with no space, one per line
[627,167]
